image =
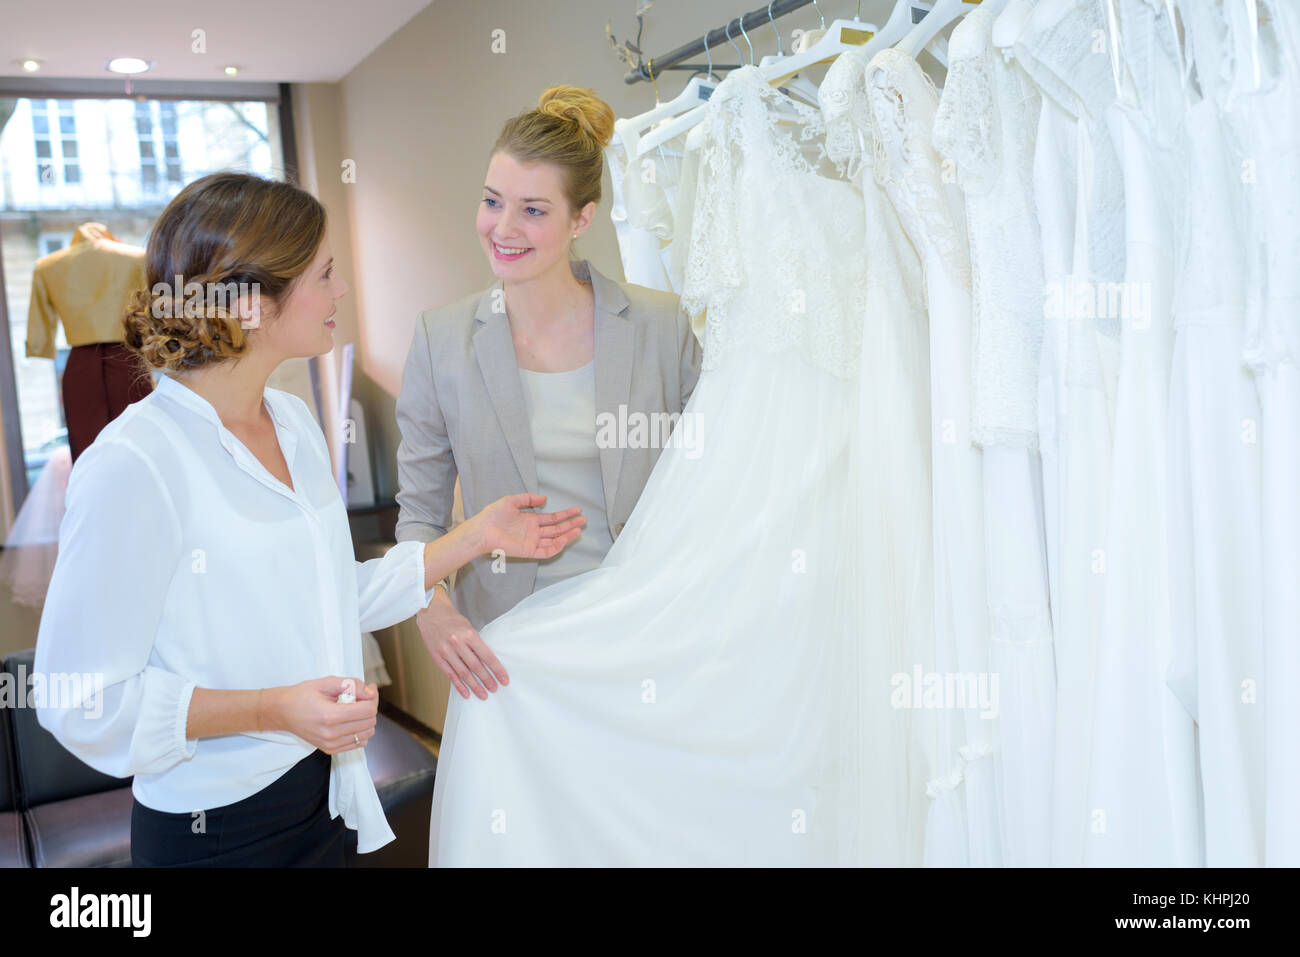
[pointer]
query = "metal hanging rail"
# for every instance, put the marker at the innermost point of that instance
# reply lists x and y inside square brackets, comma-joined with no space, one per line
[676,59]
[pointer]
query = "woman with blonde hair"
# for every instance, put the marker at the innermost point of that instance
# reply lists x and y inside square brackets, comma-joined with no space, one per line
[507,389]
[205,579]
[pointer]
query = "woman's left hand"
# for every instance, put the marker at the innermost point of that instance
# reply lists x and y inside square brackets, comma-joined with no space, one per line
[535,535]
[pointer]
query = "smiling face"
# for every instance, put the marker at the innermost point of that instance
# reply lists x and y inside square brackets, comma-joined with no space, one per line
[303,325]
[524,222]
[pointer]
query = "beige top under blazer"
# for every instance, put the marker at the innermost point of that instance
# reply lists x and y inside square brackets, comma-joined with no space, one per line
[461,413]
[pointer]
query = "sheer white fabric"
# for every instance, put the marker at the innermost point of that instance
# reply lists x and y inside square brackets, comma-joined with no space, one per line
[646,198]
[638,247]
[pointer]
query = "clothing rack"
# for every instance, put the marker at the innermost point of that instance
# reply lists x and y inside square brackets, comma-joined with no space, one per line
[675,59]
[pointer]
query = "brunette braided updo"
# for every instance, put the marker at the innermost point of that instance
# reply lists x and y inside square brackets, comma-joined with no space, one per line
[221,234]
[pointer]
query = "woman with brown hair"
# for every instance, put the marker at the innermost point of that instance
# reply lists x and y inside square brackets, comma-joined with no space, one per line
[205,581]
[506,389]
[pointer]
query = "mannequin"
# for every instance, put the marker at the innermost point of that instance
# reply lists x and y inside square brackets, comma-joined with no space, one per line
[88,285]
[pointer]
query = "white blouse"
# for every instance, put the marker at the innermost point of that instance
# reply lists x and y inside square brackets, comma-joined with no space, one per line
[184,563]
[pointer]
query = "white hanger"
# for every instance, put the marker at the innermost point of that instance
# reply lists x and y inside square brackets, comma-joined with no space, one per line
[1252,21]
[842,35]
[779,71]
[896,27]
[667,131]
[943,13]
[695,92]
[1112,22]
[799,84]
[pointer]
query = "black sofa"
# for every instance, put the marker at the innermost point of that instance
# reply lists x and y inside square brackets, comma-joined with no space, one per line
[57,811]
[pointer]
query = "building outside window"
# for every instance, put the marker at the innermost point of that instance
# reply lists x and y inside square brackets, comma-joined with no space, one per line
[65,162]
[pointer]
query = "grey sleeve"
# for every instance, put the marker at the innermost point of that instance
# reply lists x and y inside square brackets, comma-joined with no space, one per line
[426,469]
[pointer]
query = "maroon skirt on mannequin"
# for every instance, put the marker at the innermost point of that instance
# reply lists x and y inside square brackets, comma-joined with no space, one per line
[99,382]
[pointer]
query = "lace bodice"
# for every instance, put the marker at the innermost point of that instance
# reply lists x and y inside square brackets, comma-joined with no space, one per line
[903,101]
[846,111]
[776,256]
[985,127]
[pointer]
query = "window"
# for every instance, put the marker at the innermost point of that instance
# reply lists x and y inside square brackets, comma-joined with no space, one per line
[156,126]
[57,159]
[53,242]
[119,162]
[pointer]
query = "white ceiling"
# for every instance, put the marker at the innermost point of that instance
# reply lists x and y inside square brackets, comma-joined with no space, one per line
[289,41]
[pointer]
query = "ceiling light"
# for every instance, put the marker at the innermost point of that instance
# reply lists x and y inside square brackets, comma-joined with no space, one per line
[232,70]
[31,66]
[128,65]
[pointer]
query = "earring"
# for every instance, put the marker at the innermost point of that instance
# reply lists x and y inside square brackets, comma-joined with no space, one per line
[575,235]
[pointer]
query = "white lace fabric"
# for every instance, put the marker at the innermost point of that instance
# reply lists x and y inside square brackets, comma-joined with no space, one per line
[762,149]
[903,101]
[985,128]
[850,144]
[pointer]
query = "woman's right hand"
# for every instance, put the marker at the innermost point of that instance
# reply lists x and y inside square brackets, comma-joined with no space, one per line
[458,650]
[310,709]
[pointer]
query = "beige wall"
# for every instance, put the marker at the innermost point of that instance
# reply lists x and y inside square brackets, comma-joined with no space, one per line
[419,116]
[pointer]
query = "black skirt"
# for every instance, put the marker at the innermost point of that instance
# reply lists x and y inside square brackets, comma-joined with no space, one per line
[286,824]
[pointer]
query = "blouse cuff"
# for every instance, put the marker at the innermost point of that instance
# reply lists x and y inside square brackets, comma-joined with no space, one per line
[164,714]
[426,595]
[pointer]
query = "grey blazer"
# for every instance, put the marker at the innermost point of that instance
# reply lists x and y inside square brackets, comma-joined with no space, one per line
[461,412]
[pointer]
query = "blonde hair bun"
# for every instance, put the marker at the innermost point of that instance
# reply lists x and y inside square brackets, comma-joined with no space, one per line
[592,114]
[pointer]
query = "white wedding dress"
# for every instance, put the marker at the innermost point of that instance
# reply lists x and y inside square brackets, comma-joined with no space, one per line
[963,826]
[1078,193]
[1216,574]
[1263,123]
[985,127]
[718,691]
[1142,785]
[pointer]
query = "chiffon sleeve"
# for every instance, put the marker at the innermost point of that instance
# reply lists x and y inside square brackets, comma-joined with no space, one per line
[391,588]
[119,547]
